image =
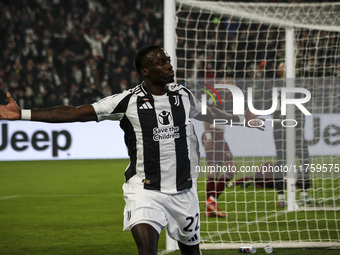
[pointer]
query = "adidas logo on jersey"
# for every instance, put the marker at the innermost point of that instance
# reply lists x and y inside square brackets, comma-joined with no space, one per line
[146,105]
[194,238]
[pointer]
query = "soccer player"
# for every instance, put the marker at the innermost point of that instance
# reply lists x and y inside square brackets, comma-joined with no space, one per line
[160,181]
[217,153]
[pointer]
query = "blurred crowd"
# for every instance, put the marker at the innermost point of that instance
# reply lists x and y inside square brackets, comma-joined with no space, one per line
[73,51]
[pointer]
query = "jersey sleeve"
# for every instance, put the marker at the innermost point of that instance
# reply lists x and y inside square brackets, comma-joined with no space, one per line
[108,107]
[196,106]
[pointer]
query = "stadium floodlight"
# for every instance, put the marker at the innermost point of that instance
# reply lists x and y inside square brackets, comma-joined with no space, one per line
[248,42]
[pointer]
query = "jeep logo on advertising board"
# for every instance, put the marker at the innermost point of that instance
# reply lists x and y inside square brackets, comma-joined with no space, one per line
[40,140]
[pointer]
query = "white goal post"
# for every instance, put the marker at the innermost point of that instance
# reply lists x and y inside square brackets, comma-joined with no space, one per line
[260,45]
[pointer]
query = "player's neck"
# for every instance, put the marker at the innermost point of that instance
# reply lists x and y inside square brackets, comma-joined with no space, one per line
[153,89]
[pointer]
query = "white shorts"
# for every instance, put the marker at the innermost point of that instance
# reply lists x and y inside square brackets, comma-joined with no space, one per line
[179,213]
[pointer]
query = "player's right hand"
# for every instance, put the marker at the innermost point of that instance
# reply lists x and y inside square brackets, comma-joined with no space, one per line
[11,111]
[254,121]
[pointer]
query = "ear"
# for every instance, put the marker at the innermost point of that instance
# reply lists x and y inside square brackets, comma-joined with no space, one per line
[144,71]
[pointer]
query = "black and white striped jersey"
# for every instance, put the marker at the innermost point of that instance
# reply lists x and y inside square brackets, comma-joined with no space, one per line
[161,141]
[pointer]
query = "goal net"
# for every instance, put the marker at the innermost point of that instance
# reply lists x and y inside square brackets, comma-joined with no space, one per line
[262,48]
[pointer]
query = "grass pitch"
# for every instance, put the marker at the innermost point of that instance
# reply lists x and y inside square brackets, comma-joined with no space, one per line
[71,207]
[63,207]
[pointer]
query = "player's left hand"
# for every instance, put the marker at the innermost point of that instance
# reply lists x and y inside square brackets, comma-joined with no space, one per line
[253,121]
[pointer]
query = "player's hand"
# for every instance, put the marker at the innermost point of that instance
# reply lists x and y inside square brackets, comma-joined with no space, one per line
[11,111]
[253,121]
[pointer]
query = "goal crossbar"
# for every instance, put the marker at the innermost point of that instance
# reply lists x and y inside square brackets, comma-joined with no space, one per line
[302,15]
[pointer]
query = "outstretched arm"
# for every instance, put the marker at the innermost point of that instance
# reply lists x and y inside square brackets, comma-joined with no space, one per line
[58,114]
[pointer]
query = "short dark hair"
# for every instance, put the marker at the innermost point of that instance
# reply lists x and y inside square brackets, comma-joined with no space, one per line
[141,55]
